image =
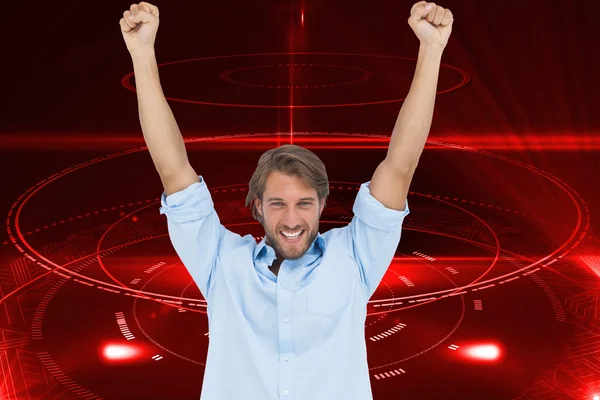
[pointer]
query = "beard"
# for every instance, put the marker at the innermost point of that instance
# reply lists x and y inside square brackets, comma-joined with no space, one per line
[287,251]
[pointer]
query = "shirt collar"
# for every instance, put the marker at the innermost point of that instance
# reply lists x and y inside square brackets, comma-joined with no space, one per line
[266,253]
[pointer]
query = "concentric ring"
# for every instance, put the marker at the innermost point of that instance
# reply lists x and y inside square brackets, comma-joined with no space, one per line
[464,79]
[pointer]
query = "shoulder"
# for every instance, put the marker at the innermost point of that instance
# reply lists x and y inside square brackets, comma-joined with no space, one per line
[232,241]
[338,241]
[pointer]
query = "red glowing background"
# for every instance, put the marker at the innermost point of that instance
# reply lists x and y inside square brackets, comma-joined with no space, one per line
[493,292]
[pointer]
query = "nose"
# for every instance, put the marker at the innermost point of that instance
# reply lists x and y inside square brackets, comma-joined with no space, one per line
[291,218]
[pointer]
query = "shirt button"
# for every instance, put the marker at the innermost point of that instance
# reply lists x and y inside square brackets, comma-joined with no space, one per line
[285,319]
[286,392]
[286,358]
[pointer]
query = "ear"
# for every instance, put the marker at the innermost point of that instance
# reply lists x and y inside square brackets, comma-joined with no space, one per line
[258,205]
[321,207]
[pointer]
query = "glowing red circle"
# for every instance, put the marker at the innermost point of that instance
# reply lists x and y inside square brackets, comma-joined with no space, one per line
[466,78]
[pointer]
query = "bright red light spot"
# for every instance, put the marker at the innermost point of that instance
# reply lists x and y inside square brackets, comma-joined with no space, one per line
[486,352]
[120,352]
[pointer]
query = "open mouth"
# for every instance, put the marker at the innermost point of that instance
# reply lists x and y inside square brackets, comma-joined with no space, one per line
[292,237]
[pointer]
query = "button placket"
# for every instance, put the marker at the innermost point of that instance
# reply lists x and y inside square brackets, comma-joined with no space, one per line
[286,346]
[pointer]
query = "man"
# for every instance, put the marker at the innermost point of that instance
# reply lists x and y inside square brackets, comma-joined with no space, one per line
[286,316]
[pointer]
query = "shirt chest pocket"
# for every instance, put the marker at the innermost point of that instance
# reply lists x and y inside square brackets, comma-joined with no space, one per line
[331,290]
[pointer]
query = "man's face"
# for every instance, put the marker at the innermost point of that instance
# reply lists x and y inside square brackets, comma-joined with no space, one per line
[290,209]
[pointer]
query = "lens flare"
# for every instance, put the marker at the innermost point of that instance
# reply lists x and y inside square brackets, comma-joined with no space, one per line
[115,352]
[485,352]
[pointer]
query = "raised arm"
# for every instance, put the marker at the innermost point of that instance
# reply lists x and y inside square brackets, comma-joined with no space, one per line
[381,205]
[194,227]
[161,133]
[390,183]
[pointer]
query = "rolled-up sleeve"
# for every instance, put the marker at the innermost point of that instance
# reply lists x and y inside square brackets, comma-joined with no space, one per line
[195,231]
[189,204]
[374,234]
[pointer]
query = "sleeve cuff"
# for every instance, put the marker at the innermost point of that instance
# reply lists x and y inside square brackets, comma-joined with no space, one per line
[191,203]
[373,213]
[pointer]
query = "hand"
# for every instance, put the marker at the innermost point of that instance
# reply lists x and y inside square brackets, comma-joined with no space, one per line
[139,25]
[431,23]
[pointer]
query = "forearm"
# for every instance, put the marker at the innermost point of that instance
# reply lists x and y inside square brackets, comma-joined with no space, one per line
[160,130]
[414,120]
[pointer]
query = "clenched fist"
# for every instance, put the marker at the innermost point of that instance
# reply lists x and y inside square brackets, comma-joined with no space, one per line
[139,25]
[431,23]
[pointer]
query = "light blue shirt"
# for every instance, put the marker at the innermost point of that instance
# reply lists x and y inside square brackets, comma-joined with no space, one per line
[299,335]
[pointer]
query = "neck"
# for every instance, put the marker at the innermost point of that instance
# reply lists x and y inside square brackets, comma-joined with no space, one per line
[275,266]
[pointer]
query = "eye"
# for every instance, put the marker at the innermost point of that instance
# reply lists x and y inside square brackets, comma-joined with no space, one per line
[278,203]
[305,203]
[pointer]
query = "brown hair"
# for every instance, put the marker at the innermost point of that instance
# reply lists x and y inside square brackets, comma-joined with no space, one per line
[291,160]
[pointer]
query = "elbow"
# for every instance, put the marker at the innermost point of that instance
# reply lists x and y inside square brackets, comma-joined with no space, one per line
[404,166]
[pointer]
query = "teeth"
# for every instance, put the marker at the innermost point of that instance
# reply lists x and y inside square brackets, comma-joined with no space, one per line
[290,235]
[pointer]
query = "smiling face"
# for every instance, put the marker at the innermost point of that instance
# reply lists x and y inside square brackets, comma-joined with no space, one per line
[290,209]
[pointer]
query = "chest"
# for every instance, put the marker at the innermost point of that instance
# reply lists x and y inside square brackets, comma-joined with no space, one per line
[301,307]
